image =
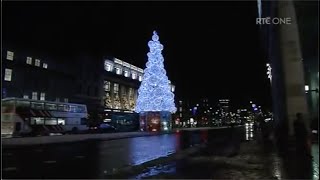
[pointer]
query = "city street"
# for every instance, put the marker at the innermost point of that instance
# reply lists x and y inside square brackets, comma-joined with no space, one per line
[95,159]
[158,90]
[217,153]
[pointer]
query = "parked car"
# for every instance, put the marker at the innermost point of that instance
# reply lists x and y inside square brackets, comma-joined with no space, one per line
[102,128]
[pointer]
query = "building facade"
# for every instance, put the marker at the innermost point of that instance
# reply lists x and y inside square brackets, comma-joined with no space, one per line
[108,86]
[32,77]
[284,51]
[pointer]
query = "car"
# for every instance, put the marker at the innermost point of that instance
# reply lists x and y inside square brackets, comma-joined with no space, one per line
[105,127]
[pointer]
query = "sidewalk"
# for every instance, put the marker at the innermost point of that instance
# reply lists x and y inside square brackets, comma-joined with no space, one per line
[40,140]
[253,160]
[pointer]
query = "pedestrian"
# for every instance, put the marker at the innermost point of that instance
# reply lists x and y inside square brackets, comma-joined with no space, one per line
[301,135]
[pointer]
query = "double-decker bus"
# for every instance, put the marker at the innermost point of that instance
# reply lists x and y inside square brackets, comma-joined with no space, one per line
[33,117]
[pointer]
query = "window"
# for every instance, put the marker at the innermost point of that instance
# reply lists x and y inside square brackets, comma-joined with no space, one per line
[50,106]
[140,78]
[81,109]
[116,87]
[8,74]
[57,99]
[61,107]
[51,121]
[61,121]
[66,99]
[34,95]
[73,108]
[29,60]
[306,88]
[126,73]
[108,67]
[42,96]
[45,65]
[107,85]
[66,108]
[172,88]
[23,104]
[36,105]
[10,55]
[25,96]
[37,120]
[118,70]
[37,62]
[134,75]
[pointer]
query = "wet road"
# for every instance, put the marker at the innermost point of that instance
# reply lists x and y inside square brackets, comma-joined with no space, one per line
[94,159]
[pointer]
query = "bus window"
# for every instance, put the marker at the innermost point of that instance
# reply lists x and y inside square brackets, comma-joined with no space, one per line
[36,105]
[61,107]
[50,106]
[73,108]
[23,103]
[61,121]
[51,121]
[7,106]
[37,121]
[66,108]
[81,109]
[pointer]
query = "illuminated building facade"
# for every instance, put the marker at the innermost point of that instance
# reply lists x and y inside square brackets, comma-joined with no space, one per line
[108,87]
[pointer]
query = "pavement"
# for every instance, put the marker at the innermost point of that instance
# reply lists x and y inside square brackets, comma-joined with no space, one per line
[22,141]
[41,140]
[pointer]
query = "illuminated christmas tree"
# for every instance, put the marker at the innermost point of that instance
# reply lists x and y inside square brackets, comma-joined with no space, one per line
[154,94]
[155,101]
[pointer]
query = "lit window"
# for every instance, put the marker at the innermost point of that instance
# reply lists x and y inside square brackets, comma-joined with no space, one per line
[126,73]
[306,88]
[180,109]
[25,96]
[10,55]
[140,78]
[116,88]
[29,60]
[134,75]
[107,85]
[108,67]
[61,121]
[34,95]
[42,96]
[172,88]
[8,74]
[118,70]
[45,65]
[37,62]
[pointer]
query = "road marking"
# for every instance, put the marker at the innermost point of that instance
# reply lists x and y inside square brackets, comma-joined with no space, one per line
[10,169]
[49,162]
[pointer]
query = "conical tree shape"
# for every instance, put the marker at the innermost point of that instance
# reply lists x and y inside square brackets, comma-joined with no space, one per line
[154,93]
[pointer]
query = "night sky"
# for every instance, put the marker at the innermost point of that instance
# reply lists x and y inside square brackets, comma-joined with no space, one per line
[211,49]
